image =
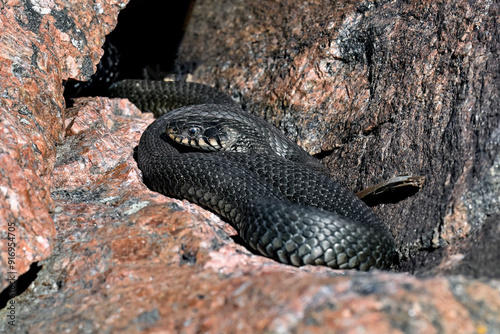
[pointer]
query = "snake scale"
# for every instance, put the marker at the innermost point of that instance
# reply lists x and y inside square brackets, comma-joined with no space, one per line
[209,151]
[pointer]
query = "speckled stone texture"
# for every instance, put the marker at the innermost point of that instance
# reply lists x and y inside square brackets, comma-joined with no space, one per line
[42,43]
[377,89]
[117,257]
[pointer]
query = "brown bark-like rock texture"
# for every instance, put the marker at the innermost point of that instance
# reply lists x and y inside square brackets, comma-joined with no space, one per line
[376,89]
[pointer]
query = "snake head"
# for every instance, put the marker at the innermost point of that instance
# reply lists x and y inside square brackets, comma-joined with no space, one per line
[207,136]
[213,127]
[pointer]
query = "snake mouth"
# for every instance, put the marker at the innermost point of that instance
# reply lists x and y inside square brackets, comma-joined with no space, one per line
[206,138]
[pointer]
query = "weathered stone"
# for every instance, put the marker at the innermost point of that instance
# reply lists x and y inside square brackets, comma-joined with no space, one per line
[126,259]
[377,89]
[42,43]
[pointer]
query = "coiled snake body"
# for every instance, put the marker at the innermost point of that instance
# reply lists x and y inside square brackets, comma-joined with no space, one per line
[275,194]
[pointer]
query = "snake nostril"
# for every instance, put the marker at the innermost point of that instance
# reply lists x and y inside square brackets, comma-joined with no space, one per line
[171,130]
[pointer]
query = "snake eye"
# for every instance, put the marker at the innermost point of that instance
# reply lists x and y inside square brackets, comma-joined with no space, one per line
[193,131]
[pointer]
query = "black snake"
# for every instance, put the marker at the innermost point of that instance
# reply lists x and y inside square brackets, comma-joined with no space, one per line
[236,164]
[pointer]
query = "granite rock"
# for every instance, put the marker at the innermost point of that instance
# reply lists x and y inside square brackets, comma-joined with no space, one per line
[377,89]
[114,256]
[42,43]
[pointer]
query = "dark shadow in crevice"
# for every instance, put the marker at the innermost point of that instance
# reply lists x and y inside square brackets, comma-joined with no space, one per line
[143,45]
[323,154]
[239,240]
[392,196]
[20,285]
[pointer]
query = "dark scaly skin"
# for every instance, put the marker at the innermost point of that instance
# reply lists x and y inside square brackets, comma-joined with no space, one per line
[248,133]
[280,207]
[264,216]
[160,97]
[255,134]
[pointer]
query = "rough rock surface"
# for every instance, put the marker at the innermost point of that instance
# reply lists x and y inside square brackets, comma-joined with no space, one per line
[378,89]
[128,259]
[120,258]
[42,43]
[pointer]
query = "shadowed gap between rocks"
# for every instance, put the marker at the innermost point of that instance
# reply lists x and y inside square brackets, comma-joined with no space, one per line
[132,50]
[20,285]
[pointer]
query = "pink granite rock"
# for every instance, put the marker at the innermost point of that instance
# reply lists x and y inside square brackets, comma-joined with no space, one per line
[42,43]
[117,257]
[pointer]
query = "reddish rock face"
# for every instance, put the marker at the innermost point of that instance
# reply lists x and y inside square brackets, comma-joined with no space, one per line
[116,256]
[377,90]
[41,45]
